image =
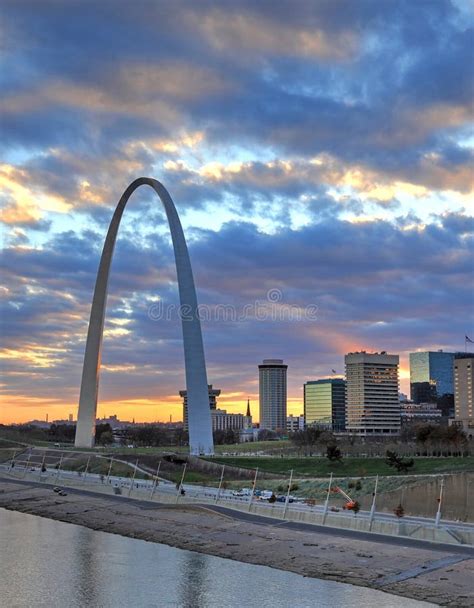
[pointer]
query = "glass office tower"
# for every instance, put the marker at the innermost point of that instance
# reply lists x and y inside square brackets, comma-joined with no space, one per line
[431,376]
[325,403]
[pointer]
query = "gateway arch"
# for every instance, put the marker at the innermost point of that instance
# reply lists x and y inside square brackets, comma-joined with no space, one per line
[199,415]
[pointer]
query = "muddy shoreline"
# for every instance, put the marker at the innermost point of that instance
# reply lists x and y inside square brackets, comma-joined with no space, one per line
[313,554]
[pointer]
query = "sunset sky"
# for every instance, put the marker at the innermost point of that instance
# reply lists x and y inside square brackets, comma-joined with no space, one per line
[320,155]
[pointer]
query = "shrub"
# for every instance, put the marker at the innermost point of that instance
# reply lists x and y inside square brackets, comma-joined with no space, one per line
[333,453]
[401,464]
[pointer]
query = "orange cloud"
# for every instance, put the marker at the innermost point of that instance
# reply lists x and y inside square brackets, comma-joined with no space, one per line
[25,200]
[247,33]
[367,183]
[35,355]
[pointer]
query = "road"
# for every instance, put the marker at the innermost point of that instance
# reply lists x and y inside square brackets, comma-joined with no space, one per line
[210,493]
[265,521]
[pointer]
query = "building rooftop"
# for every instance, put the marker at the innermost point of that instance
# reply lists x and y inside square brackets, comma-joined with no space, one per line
[327,381]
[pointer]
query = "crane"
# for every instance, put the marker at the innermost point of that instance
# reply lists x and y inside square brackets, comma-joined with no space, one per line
[351,504]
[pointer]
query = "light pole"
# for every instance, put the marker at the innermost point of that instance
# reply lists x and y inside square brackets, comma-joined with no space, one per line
[27,464]
[86,469]
[253,488]
[12,461]
[372,509]
[220,484]
[155,483]
[42,464]
[326,504]
[59,466]
[180,485]
[133,478]
[110,470]
[288,494]
[440,500]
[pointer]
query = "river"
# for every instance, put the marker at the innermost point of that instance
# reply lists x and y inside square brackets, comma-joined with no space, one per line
[51,564]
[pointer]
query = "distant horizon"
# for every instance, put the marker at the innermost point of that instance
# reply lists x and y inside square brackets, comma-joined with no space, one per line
[175,404]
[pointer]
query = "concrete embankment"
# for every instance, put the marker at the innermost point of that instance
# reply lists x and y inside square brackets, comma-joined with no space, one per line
[430,572]
[421,498]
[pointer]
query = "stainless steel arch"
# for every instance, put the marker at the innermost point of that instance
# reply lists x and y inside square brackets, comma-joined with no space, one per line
[199,416]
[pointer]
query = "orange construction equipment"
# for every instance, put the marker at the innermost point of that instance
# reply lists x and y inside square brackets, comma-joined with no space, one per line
[351,504]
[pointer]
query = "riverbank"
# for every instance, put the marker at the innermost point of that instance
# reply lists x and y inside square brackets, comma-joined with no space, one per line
[444,577]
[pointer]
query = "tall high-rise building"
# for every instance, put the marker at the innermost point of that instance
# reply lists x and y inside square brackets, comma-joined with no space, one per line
[325,403]
[213,394]
[431,377]
[464,392]
[272,393]
[372,403]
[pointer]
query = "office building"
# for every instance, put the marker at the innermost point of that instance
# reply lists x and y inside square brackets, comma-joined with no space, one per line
[222,421]
[213,394]
[272,394]
[463,393]
[294,423]
[424,413]
[431,376]
[372,404]
[325,403]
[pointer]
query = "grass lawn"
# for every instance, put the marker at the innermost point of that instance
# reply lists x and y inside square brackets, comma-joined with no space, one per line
[240,448]
[7,453]
[254,446]
[349,467]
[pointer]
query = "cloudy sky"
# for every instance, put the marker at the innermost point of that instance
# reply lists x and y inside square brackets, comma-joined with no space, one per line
[320,155]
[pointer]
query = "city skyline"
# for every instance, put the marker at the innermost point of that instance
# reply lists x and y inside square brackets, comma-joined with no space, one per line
[303,174]
[297,404]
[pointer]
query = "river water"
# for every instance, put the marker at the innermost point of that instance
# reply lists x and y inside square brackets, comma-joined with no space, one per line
[50,564]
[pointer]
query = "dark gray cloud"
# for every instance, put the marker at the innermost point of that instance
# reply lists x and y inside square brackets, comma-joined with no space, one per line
[400,287]
[100,77]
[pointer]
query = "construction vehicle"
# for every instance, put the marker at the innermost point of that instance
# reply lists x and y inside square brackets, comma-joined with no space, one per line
[351,504]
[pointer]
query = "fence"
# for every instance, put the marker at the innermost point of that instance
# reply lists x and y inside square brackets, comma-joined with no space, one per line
[101,474]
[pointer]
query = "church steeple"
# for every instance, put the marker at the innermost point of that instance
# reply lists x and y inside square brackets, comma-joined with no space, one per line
[248,408]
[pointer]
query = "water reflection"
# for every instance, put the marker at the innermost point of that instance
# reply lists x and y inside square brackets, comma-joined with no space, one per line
[84,555]
[193,579]
[51,564]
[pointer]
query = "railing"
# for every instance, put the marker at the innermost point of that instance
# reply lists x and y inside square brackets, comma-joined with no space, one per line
[159,491]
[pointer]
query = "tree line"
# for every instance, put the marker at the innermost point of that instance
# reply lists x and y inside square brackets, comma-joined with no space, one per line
[416,440]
